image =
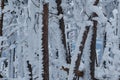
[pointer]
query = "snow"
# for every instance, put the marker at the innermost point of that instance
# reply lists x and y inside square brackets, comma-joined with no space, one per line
[86,56]
[74,57]
[22,39]
[60,16]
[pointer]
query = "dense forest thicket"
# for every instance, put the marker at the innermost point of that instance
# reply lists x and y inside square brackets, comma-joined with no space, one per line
[59,39]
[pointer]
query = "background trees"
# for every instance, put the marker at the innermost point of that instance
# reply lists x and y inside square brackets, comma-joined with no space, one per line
[59,39]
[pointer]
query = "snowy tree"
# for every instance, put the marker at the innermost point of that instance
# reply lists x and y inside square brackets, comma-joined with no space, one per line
[59,39]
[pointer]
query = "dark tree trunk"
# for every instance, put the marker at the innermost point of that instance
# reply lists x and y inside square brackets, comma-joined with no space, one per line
[104,40]
[1,76]
[30,70]
[93,50]
[96,2]
[62,28]
[1,23]
[45,42]
[77,63]
[1,17]
[93,56]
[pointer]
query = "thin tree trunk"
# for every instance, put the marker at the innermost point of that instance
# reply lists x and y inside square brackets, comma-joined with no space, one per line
[30,70]
[45,42]
[93,50]
[119,24]
[1,23]
[62,28]
[93,56]
[104,40]
[77,63]
[1,17]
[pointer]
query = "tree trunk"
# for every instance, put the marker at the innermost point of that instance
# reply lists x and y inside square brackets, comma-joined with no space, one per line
[104,40]
[1,23]
[119,24]
[62,28]
[93,56]
[93,50]
[45,42]
[77,63]
[1,17]
[30,70]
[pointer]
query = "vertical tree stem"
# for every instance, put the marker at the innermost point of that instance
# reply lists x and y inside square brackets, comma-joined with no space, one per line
[45,42]
[62,28]
[1,23]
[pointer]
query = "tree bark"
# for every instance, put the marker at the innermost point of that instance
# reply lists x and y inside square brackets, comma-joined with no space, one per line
[30,70]
[45,42]
[104,40]
[1,23]
[62,28]
[77,63]
[93,56]
[93,50]
[1,17]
